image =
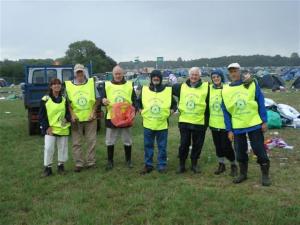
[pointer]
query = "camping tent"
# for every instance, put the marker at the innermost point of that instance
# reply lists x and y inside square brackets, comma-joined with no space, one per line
[271,82]
[291,74]
[296,83]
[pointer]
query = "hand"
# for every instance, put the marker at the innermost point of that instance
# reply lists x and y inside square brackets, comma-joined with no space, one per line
[49,131]
[230,136]
[264,127]
[73,118]
[105,101]
[93,116]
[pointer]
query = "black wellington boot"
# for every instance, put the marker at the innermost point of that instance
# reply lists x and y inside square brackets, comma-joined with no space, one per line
[110,157]
[243,173]
[127,150]
[265,180]
[221,169]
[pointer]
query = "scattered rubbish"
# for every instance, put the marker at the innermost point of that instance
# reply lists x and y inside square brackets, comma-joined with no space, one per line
[277,143]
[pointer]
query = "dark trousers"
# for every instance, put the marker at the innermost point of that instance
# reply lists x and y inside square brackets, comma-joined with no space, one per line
[256,138]
[161,137]
[222,144]
[187,136]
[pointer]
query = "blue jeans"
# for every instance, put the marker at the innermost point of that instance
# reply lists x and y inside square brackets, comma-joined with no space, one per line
[161,139]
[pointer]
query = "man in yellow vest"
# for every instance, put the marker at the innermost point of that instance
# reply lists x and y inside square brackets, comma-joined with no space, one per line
[245,113]
[217,125]
[156,104]
[115,91]
[83,96]
[193,97]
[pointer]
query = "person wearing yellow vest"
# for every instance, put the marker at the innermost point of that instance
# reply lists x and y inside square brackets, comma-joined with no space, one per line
[115,91]
[156,104]
[245,114]
[193,97]
[83,98]
[222,144]
[54,117]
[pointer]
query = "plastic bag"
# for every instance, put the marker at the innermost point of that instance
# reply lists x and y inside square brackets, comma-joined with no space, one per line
[274,120]
[122,114]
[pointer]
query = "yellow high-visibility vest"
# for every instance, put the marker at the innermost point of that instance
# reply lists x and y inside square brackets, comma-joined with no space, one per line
[240,103]
[216,116]
[156,108]
[82,98]
[192,104]
[56,113]
[116,93]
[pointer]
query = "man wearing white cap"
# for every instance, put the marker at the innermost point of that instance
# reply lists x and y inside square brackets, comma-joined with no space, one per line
[83,97]
[245,114]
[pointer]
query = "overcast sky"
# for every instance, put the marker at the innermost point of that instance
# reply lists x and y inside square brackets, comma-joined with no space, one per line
[126,29]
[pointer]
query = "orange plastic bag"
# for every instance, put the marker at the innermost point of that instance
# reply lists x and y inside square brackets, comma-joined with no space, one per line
[122,114]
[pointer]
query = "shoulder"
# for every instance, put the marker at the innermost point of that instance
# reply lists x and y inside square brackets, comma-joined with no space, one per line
[45,98]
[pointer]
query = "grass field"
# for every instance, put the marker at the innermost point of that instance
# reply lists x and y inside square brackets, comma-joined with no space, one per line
[122,196]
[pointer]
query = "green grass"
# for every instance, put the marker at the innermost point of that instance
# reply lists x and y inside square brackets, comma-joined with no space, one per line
[122,196]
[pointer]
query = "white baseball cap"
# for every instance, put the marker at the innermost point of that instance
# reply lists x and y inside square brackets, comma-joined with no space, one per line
[234,65]
[78,67]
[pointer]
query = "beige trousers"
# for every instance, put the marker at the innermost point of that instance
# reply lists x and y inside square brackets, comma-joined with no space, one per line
[84,132]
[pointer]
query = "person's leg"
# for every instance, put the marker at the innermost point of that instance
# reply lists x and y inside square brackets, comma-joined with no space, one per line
[228,152]
[48,154]
[127,141]
[149,137]
[77,133]
[183,151]
[91,137]
[241,147]
[62,152]
[217,138]
[198,137]
[162,140]
[257,144]
[110,140]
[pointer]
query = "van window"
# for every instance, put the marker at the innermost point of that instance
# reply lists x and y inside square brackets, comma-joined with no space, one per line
[51,73]
[67,74]
[38,76]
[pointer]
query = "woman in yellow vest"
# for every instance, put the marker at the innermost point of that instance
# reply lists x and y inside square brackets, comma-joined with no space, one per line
[156,104]
[217,125]
[54,117]
[83,98]
[245,114]
[115,91]
[193,97]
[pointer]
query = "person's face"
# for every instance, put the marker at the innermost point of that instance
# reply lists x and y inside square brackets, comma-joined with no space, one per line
[80,76]
[155,80]
[56,88]
[194,76]
[234,74]
[216,79]
[118,75]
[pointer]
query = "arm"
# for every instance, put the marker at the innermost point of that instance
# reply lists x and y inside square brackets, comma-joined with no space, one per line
[259,97]
[139,101]
[43,118]
[176,90]
[173,104]
[227,117]
[206,114]
[134,98]
[68,113]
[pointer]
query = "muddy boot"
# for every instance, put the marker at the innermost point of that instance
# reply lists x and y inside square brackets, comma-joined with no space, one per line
[221,169]
[194,167]
[181,167]
[233,170]
[146,169]
[265,180]
[243,173]
[110,157]
[47,171]
[127,150]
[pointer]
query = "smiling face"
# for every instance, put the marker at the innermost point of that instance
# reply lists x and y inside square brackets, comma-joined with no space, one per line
[216,79]
[79,77]
[194,76]
[118,74]
[234,74]
[155,80]
[55,87]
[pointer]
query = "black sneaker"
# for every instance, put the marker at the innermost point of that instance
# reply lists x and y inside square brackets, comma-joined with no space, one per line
[146,170]
[61,169]
[47,171]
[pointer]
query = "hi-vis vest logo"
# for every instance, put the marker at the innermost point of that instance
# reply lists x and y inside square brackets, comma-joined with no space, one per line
[119,96]
[190,102]
[81,99]
[155,109]
[240,103]
[216,106]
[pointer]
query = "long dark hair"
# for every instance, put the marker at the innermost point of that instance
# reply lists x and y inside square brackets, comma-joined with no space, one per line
[52,82]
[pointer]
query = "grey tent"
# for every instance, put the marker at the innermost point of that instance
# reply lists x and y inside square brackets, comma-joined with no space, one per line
[296,83]
[271,82]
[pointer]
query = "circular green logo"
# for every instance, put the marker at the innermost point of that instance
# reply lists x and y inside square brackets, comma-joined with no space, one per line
[190,104]
[216,106]
[119,99]
[240,104]
[155,109]
[82,101]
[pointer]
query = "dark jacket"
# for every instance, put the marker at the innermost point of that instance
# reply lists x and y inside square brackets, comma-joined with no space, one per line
[176,92]
[108,122]
[43,118]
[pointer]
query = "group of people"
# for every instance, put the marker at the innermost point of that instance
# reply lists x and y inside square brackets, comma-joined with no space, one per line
[231,111]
